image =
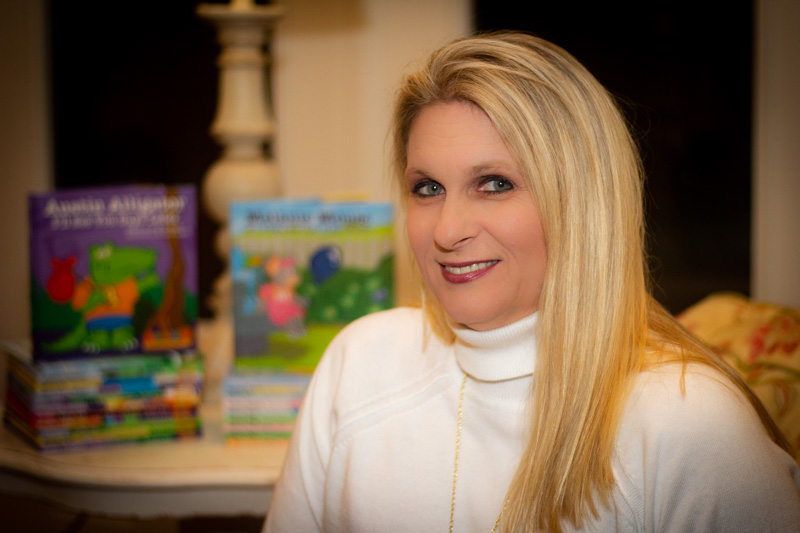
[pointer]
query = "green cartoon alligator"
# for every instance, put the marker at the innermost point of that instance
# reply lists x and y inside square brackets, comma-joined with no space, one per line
[107,299]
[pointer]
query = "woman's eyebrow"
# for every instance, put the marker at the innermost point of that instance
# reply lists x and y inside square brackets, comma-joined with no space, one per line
[415,173]
[490,167]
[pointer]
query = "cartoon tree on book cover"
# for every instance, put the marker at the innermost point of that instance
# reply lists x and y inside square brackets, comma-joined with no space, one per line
[113,271]
[301,271]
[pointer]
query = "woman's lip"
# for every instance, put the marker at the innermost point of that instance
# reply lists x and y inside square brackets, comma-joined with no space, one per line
[467,271]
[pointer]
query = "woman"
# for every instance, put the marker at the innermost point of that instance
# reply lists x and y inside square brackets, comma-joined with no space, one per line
[540,388]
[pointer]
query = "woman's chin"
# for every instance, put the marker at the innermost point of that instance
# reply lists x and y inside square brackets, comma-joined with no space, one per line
[481,317]
[477,321]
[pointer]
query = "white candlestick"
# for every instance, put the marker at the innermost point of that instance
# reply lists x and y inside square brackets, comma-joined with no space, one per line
[244,126]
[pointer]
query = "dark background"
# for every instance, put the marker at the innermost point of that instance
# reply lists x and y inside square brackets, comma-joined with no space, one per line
[133,97]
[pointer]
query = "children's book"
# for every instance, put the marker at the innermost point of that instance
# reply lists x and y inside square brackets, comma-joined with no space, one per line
[301,270]
[113,271]
[261,406]
[73,404]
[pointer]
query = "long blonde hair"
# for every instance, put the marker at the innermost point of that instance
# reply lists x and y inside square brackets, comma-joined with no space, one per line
[598,325]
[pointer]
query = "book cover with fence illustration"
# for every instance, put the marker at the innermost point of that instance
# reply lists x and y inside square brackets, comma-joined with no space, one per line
[301,270]
[113,271]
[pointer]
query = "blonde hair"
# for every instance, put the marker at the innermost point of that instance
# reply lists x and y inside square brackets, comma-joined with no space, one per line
[598,326]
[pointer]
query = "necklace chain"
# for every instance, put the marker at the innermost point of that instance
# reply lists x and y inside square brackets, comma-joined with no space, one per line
[455,465]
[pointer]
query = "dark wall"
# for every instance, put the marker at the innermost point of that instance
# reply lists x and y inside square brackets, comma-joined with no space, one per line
[683,74]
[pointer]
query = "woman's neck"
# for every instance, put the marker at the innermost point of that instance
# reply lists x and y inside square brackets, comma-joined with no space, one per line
[500,354]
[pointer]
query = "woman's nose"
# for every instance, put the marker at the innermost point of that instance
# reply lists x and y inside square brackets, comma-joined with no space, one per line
[456,225]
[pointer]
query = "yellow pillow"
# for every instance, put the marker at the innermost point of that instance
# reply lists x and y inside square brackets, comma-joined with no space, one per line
[762,342]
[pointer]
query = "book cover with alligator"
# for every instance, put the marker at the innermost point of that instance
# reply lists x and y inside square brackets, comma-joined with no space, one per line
[301,270]
[113,271]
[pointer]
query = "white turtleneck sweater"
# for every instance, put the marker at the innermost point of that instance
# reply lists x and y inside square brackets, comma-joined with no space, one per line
[374,445]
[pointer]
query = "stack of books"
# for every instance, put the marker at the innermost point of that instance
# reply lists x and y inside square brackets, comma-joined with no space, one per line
[261,405]
[301,271]
[85,403]
[112,355]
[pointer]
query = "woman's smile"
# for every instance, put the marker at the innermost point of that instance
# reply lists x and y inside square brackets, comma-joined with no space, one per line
[466,272]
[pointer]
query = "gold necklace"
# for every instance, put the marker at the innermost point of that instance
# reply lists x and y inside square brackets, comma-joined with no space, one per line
[455,466]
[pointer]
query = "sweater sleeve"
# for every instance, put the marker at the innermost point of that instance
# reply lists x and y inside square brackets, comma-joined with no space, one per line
[298,501]
[702,461]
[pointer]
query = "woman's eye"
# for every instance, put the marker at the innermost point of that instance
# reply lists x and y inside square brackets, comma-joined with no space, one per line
[427,188]
[497,184]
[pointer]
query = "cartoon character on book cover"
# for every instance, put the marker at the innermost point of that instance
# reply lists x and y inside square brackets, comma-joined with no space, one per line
[106,298]
[113,271]
[301,271]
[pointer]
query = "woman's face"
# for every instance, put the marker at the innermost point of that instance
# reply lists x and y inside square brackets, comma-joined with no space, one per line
[472,222]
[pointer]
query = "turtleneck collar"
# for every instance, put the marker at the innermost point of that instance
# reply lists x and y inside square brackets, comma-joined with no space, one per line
[500,354]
